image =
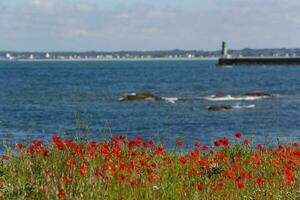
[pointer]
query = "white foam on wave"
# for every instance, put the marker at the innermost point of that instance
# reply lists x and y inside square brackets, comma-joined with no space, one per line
[234,98]
[243,107]
[170,99]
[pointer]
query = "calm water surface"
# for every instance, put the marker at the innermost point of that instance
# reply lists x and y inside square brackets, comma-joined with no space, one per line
[38,99]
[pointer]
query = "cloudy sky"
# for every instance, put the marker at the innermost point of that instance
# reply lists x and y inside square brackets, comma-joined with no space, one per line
[109,25]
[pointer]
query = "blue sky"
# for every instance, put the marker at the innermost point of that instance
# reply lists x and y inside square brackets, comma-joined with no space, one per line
[109,25]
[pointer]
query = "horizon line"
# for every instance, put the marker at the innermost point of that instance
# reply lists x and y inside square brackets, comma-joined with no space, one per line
[117,51]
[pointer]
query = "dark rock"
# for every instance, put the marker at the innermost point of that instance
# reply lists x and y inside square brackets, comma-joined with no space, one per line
[141,96]
[218,95]
[219,108]
[258,94]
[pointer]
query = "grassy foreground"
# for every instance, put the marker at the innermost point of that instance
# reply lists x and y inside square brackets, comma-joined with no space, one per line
[136,169]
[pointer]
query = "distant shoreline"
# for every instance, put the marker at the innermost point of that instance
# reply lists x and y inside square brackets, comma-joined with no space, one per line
[113,59]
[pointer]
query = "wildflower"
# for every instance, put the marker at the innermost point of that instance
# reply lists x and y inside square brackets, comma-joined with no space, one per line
[238,134]
[199,187]
[138,141]
[180,143]
[115,139]
[58,142]
[215,188]
[197,144]
[150,178]
[82,171]
[37,143]
[240,185]
[295,144]
[204,148]
[61,193]
[145,145]
[246,142]
[66,181]
[5,157]
[182,159]
[122,177]
[260,182]
[217,143]
[70,163]
[220,184]
[260,147]
[20,146]
[31,149]
[45,153]
[133,183]
[152,144]
[225,141]
[98,174]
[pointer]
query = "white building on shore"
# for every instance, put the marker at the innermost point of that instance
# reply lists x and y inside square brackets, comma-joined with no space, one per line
[8,56]
[47,56]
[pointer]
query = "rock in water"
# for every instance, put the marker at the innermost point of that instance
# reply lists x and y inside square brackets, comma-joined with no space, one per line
[219,108]
[141,97]
[258,94]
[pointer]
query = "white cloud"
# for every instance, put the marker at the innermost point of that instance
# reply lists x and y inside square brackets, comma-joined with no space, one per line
[86,25]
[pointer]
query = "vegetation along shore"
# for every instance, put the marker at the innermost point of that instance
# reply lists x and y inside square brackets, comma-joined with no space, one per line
[122,168]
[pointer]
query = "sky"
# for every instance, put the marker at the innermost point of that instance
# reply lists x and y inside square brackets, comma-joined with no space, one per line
[113,25]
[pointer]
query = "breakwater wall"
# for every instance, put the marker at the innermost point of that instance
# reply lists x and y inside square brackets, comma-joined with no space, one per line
[260,61]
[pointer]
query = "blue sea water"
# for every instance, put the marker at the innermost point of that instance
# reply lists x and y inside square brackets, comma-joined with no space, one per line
[39,99]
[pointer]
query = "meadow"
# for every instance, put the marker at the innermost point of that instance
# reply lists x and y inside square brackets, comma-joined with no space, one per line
[134,169]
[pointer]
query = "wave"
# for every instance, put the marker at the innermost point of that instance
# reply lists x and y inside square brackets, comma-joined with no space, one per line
[234,98]
[228,107]
[244,106]
[170,99]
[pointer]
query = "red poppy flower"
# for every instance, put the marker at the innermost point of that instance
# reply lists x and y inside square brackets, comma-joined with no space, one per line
[150,178]
[260,182]
[182,159]
[197,144]
[238,134]
[82,171]
[295,144]
[217,143]
[115,139]
[31,149]
[58,142]
[199,187]
[152,144]
[145,145]
[20,146]
[133,183]
[204,148]
[220,184]
[61,193]
[179,142]
[260,147]
[66,181]
[122,177]
[37,143]
[138,141]
[5,157]
[240,185]
[246,142]
[225,141]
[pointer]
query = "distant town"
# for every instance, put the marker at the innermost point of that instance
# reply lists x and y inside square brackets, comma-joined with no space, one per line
[144,55]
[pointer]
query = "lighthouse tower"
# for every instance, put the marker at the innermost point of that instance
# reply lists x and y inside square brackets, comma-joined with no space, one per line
[224,49]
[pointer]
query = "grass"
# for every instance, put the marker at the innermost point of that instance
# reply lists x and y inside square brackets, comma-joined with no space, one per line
[136,169]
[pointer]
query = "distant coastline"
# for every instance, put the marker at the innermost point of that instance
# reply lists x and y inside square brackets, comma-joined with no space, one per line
[111,59]
[160,55]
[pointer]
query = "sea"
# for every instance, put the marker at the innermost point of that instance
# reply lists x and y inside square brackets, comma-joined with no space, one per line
[82,99]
